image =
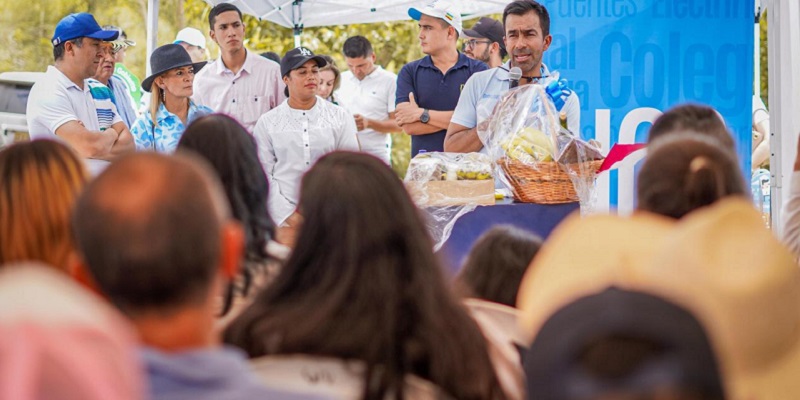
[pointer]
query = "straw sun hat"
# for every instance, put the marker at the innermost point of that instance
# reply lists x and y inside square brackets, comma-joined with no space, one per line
[719,262]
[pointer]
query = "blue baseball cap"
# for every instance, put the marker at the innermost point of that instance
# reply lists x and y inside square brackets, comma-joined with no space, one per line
[78,25]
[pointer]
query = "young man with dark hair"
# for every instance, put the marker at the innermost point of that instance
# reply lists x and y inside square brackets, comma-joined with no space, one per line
[240,83]
[428,89]
[527,37]
[156,238]
[60,105]
[368,91]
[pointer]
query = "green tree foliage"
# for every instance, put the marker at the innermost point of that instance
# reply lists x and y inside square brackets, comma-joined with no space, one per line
[395,43]
[28,26]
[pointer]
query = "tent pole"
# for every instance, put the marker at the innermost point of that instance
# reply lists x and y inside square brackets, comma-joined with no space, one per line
[757,51]
[152,30]
[784,86]
[297,20]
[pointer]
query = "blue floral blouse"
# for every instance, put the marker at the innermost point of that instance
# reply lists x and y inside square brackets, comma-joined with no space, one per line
[164,138]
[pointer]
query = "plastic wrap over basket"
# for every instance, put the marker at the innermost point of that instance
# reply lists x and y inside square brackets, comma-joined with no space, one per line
[447,186]
[537,158]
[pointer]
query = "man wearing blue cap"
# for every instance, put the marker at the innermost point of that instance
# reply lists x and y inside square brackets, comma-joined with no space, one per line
[60,105]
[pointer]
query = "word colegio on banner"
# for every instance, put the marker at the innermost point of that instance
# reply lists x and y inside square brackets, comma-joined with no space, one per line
[629,60]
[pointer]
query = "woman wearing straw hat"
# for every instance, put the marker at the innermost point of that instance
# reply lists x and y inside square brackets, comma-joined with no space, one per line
[170,103]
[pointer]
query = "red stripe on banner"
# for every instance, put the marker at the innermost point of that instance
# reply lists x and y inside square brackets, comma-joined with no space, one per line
[618,153]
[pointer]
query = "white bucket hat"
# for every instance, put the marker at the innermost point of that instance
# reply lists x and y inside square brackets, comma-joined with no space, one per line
[191,36]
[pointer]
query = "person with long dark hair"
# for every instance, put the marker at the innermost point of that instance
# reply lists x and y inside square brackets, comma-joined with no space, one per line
[232,152]
[363,284]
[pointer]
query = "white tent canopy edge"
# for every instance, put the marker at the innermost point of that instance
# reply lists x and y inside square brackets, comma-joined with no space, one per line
[299,14]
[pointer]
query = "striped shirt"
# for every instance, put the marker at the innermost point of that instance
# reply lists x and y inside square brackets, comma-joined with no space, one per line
[103,103]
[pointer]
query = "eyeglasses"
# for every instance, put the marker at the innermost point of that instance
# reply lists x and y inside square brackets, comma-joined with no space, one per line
[472,43]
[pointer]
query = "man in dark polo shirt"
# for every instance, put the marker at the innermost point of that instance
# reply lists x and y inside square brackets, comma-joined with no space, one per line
[428,88]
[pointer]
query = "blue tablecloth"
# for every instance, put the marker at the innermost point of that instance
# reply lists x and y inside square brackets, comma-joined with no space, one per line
[540,219]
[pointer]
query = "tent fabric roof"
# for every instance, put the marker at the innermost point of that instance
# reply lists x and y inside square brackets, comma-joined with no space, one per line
[344,12]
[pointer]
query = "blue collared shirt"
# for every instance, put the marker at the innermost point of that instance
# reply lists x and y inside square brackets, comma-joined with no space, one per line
[484,90]
[206,374]
[164,137]
[123,100]
[434,91]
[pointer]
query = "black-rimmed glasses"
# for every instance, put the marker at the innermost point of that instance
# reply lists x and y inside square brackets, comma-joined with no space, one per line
[472,43]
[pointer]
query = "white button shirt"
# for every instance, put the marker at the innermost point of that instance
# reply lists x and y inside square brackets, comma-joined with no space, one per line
[55,100]
[290,141]
[246,95]
[374,98]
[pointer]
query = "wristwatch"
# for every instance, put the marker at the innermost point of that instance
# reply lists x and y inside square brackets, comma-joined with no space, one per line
[425,117]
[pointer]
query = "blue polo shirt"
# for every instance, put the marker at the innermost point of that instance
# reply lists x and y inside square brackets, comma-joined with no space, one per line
[434,91]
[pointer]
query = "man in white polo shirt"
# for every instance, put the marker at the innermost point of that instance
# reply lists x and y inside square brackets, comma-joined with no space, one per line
[368,92]
[60,105]
[239,83]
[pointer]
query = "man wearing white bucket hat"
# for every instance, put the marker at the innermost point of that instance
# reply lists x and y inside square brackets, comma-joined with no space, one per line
[194,42]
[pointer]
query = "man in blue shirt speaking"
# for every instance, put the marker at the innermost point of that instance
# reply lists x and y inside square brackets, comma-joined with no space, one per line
[428,88]
[527,37]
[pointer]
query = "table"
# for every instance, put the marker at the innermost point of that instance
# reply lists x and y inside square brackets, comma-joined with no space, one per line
[540,219]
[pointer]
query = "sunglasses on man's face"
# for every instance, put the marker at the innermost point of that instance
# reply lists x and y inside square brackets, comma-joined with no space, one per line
[472,43]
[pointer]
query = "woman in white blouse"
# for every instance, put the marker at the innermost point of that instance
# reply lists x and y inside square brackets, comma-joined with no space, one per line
[292,136]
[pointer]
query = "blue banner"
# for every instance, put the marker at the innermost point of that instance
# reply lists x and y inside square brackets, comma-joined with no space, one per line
[629,60]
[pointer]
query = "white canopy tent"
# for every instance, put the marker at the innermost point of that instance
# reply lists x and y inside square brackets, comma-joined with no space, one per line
[299,14]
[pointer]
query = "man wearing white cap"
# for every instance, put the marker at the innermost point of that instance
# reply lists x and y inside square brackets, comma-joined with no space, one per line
[428,88]
[194,42]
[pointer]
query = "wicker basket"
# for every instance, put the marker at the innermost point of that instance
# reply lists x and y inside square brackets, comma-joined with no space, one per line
[546,183]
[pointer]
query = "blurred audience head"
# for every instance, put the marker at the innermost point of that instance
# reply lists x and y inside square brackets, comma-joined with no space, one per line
[698,119]
[233,154]
[60,342]
[496,263]
[620,344]
[362,283]
[154,234]
[687,171]
[39,183]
